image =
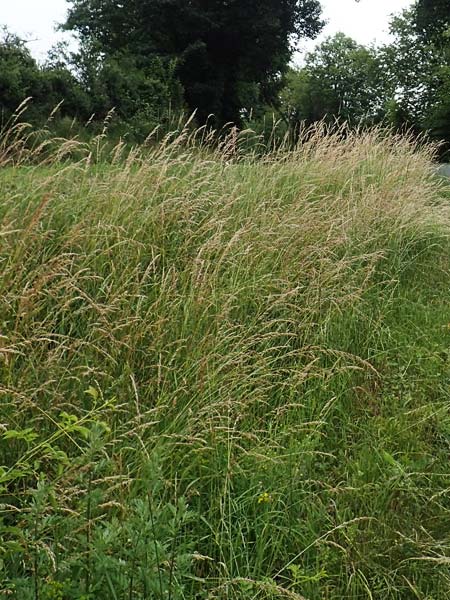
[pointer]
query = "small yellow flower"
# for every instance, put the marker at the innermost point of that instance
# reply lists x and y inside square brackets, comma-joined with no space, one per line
[264,498]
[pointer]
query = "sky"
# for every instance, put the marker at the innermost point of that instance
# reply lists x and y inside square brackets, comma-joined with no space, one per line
[366,21]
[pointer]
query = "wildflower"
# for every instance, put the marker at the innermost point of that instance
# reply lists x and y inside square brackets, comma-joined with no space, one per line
[264,498]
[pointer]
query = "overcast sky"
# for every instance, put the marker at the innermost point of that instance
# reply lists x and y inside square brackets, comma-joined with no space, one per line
[366,21]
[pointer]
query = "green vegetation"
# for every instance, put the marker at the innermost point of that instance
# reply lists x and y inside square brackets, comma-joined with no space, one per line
[339,79]
[224,376]
[147,63]
[229,56]
[152,59]
[404,84]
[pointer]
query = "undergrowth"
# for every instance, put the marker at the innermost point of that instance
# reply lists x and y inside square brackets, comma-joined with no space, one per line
[224,375]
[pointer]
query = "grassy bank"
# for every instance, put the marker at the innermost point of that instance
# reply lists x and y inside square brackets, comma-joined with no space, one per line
[225,377]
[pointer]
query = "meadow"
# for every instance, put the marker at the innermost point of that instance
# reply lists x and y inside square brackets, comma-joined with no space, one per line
[224,374]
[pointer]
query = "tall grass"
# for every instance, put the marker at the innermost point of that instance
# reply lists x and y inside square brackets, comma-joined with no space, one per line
[211,383]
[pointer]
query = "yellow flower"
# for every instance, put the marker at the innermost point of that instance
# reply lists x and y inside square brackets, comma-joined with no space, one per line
[264,498]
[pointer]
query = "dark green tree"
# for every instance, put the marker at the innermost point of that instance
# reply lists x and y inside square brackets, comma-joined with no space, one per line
[19,74]
[418,64]
[432,18]
[47,86]
[410,64]
[230,54]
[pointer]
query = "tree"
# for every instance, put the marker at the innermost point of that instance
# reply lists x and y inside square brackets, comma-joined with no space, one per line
[19,74]
[340,79]
[418,64]
[21,77]
[230,54]
[432,18]
[410,64]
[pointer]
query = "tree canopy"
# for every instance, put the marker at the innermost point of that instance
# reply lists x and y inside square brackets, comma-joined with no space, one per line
[48,85]
[432,17]
[230,54]
[230,61]
[341,78]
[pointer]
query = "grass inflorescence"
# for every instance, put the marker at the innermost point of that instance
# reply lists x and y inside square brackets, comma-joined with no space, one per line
[224,374]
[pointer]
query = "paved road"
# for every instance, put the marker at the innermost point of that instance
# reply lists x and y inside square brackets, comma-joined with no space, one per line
[444,170]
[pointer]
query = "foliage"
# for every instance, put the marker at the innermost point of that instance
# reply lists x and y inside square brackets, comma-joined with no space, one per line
[404,83]
[411,65]
[432,18]
[223,376]
[143,65]
[340,79]
[142,94]
[21,77]
[419,65]
[230,56]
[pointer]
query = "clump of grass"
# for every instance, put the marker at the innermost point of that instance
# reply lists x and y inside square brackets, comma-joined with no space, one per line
[223,375]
